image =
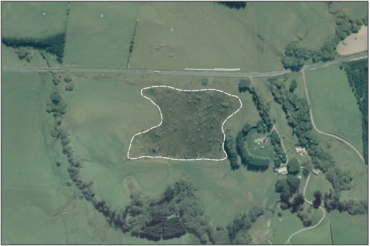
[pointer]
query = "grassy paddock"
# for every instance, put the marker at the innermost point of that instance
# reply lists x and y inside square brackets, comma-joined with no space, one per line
[99,34]
[103,123]
[319,235]
[348,161]
[26,19]
[318,182]
[334,106]
[355,9]
[178,35]
[349,229]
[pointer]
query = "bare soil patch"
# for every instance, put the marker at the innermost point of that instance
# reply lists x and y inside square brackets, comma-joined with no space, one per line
[354,43]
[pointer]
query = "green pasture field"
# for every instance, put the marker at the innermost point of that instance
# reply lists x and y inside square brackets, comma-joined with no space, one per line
[102,125]
[37,206]
[26,19]
[95,41]
[178,35]
[334,105]
[315,183]
[318,235]
[280,23]
[282,227]
[206,35]
[355,9]
[349,229]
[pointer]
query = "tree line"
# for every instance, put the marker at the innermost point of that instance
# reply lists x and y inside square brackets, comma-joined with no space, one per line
[357,74]
[296,56]
[53,44]
[297,113]
[266,124]
[298,116]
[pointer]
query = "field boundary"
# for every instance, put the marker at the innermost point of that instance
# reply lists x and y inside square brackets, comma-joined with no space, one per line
[160,113]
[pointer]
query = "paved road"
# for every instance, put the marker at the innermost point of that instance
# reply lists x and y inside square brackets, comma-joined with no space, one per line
[324,133]
[182,73]
[312,227]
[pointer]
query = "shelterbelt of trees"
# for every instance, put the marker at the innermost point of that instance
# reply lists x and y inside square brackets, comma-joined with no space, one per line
[296,56]
[266,123]
[357,74]
[53,44]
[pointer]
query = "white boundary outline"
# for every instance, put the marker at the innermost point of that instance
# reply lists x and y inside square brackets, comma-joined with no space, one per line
[160,112]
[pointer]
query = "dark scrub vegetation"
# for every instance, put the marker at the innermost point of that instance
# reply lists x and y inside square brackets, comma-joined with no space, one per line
[231,152]
[191,126]
[234,5]
[357,74]
[53,44]
[295,56]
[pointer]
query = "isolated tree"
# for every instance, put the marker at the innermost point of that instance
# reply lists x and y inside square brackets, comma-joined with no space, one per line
[69,87]
[293,166]
[244,85]
[293,85]
[317,202]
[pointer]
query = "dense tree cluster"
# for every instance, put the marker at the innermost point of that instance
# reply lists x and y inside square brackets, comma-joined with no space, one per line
[262,106]
[332,202]
[24,53]
[53,44]
[298,116]
[357,74]
[280,156]
[295,56]
[58,106]
[238,229]
[293,166]
[249,161]
[230,149]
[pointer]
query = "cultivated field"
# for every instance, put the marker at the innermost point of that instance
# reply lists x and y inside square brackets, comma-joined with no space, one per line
[33,19]
[334,105]
[354,43]
[99,34]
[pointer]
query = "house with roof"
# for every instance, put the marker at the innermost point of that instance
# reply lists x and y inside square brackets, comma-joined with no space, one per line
[300,150]
[282,170]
